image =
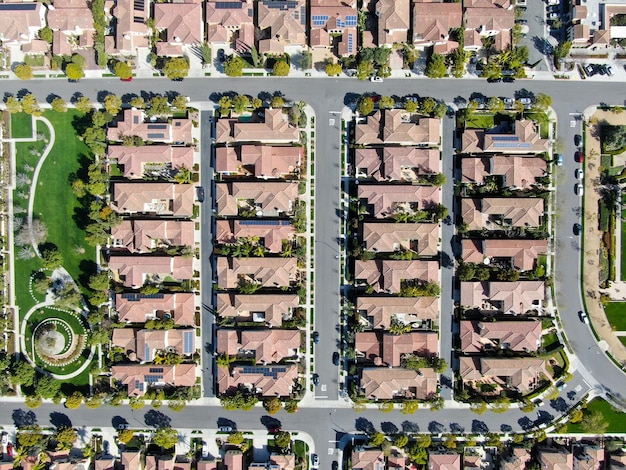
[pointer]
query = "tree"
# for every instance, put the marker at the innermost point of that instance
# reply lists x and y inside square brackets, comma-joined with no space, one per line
[291,406]
[22,374]
[492,70]
[235,438]
[440,110]
[158,105]
[180,103]
[495,104]
[376,439]
[281,68]
[65,436]
[177,405]
[365,69]
[84,104]
[47,387]
[409,407]
[306,59]
[277,101]
[561,51]
[45,34]
[365,105]
[386,102]
[333,69]
[31,436]
[428,105]
[436,66]
[24,72]
[112,104]
[419,455]
[51,259]
[410,106]
[542,101]
[33,401]
[58,104]
[123,70]
[41,284]
[478,407]
[401,440]
[125,435]
[501,405]
[449,441]
[273,405]
[423,441]
[176,68]
[165,438]
[233,67]
[74,71]
[30,105]
[13,104]
[576,416]
[594,423]
[74,401]
[282,439]
[136,403]
[240,103]
[256,103]
[138,102]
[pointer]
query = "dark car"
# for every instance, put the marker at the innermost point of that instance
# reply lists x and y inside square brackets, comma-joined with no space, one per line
[335,465]
[578,140]
[315,337]
[274,429]
[200,194]
[579,157]
[316,379]
[494,80]
[521,21]
[220,55]
[577,229]
[336,358]
[508,79]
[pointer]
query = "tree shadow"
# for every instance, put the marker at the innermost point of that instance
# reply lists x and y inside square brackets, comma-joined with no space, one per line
[102,94]
[559,405]
[388,427]
[269,422]
[506,428]
[22,93]
[118,421]
[479,426]
[87,269]
[23,418]
[525,423]
[80,123]
[60,420]
[157,419]
[435,427]
[410,426]
[543,417]
[51,97]
[229,422]
[456,428]
[364,425]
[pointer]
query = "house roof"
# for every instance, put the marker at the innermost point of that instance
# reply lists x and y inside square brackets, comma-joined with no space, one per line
[432,21]
[147,343]
[555,459]
[368,459]
[284,21]
[71,16]
[137,308]
[283,462]
[387,275]
[517,171]
[520,373]
[131,30]
[269,308]
[589,457]
[396,126]
[385,200]
[261,161]
[397,163]
[269,381]
[489,19]
[270,197]
[153,197]
[438,461]
[20,21]
[102,463]
[132,123]
[268,272]
[393,21]
[139,376]
[182,22]
[131,460]
[134,161]
[133,271]
[274,127]
[125,338]
[490,212]
[267,345]
[233,459]
[388,349]
[504,4]
[384,383]
[515,458]
[523,253]
[522,336]
[387,237]
[508,297]
[231,15]
[524,140]
[143,235]
[271,232]
[380,310]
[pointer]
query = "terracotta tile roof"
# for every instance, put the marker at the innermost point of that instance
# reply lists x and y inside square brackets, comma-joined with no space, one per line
[387,237]
[266,345]
[589,457]
[181,21]
[385,200]
[131,30]
[524,140]
[489,20]
[153,198]
[520,336]
[393,21]
[125,338]
[272,198]
[601,37]
[555,459]
[618,459]
[137,308]
[102,463]
[61,43]
[397,163]
[230,15]
[522,253]
[515,459]
[133,162]
[518,373]
[284,21]
[206,465]
[388,349]
[150,342]
[370,459]
[20,21]
[268,272]
[138,377]
[384,383]
[233,459]
[261,161]
[504,4]
[490,212]
[396,126]
[269,381]
[271,232]
[334,17]
[71,17]
[169,49]
[387,275]
[517,171]
[131,460]
[378,311]
[133,271]
[269,309]
[508,297]
[143,236]
[432,21]
[437,461]
[273,128]
[284,462]
[36,46]
[132,123]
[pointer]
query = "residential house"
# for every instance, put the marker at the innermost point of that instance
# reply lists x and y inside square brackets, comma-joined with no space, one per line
[180,24]
[264,346]
[368,459]
[145,345]
[144,235]
[388,275]
[385,237]
[397,126]
[519,336]
[72,24]
[268,381]
[134,307]
[500,213]
[167,462]
[383,383]
[386,200]
[266,272]
[21,21]
[138,377]
[515,458]
[131,460]
[432,23]
[522,254]
[233,460]
[514,171]
[397,163]
[282,462]
[261,198]
[522,374]
[379,312]
[230,23]
[104,462]
[163,199]
[552,458]
[589,457]
[387,349]
[150,160]
[135,271]
[259,161]
[334,26]
[270,126]
[516,298]
[393,21]
[271,233]
[488,20]
[281,23]
[268,309]
[617,460]
[207,464]
[133,124]
[477,457]
[525,139]
[444,461]
[131,29]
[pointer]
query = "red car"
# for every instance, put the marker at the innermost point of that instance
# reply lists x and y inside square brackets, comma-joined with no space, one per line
[579,157]
[129,79]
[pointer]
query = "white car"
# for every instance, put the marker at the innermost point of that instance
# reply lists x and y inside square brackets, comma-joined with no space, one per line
[376,79]
[580,174]
[580,189]
[553,16]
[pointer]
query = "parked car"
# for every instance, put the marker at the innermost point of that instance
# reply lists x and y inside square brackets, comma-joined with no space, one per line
[220,55]
[561,386]
[225,429]
[590,70]
[609,70]
[579,157]
[579,174]
[577,229]
[314,460]
[508,79]
[273,429]
[376,79]
[580,189]
[129,79]
[316,379]
[553,16]
[122,426]
[578,139]
[336,358]
[315,336]
[200,194]
[559,159]
[521,21]
[583,317]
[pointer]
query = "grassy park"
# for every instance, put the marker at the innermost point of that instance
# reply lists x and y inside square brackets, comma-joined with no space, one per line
[616,314]
[616,420]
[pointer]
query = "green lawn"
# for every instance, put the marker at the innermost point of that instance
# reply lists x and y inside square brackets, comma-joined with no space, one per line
[480,121]
[21,125]
[616,419]
[623,248]
[622,339]
[616,314]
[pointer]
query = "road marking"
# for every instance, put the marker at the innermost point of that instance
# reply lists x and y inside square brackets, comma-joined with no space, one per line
[333,441]
[331,451]
[323,387]
[321,396]
[331,122]
[572,123]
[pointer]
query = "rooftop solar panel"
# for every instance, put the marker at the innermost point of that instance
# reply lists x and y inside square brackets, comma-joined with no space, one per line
[157,126]
[158,135]
[18,6]
[188,342]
